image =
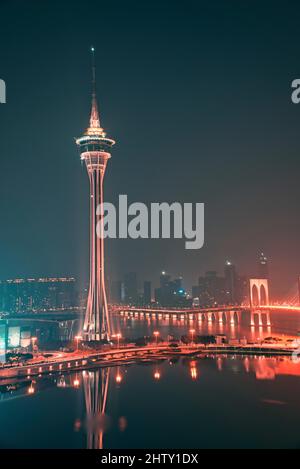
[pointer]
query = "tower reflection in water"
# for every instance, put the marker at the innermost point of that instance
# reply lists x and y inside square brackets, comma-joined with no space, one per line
[95,385]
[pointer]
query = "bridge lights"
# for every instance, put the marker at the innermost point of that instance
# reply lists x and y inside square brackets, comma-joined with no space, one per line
[156,375]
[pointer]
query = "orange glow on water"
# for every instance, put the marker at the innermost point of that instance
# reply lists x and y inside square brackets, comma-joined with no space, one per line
[193,370]
[268,369]
[122,424]
[31,390]
[157,375]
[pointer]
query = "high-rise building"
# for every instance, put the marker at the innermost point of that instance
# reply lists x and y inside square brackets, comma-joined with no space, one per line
[147,292]
[195,291]
[178,283]
[164,279]
[263,269]
[23,295]
[211,289]
[170,292]
[116,291]
[157,295]
[230,282]
[242,289]
[163,294]
[130,288]
[95,151]
[236,286]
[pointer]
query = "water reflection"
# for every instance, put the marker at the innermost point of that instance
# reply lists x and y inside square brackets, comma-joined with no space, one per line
[263,368]
[107,413]
[193,370]
[235,324]
[95,385]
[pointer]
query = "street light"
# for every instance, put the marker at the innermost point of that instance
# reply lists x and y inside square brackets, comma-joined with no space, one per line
[76,382]
[33,341]
[118,336]
[192,332]
[156,334]
[118,377]
[78,338]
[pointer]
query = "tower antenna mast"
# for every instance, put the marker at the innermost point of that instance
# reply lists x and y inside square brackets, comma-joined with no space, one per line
[93,72]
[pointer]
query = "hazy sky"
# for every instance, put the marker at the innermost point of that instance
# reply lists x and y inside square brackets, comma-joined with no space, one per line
[197,95]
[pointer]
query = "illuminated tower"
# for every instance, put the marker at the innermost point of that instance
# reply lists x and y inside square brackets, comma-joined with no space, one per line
[95,150]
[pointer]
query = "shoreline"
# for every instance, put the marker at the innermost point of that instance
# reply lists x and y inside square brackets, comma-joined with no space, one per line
[128,356]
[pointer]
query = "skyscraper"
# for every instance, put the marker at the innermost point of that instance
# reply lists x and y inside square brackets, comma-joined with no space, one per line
[130,287]
[230,282]
[211,289]
[147,292]
[170,292]
[116,291]
[95,150]
[263,269]
[22,295]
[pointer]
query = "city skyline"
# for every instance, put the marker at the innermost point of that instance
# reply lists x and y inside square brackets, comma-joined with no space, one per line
[231,286]
[261,271]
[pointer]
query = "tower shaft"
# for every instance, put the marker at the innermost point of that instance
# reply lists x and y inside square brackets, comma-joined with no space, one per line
[97,323]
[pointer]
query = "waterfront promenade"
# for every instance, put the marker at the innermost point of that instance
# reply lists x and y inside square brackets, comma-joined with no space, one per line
[65,362]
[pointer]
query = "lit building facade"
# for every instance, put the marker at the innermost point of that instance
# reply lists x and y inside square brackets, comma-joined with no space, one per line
[23,295]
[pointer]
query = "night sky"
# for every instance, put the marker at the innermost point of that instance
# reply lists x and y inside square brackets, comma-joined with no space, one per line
[198,97]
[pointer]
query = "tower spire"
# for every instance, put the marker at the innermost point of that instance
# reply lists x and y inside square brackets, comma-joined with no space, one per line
[94,117]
